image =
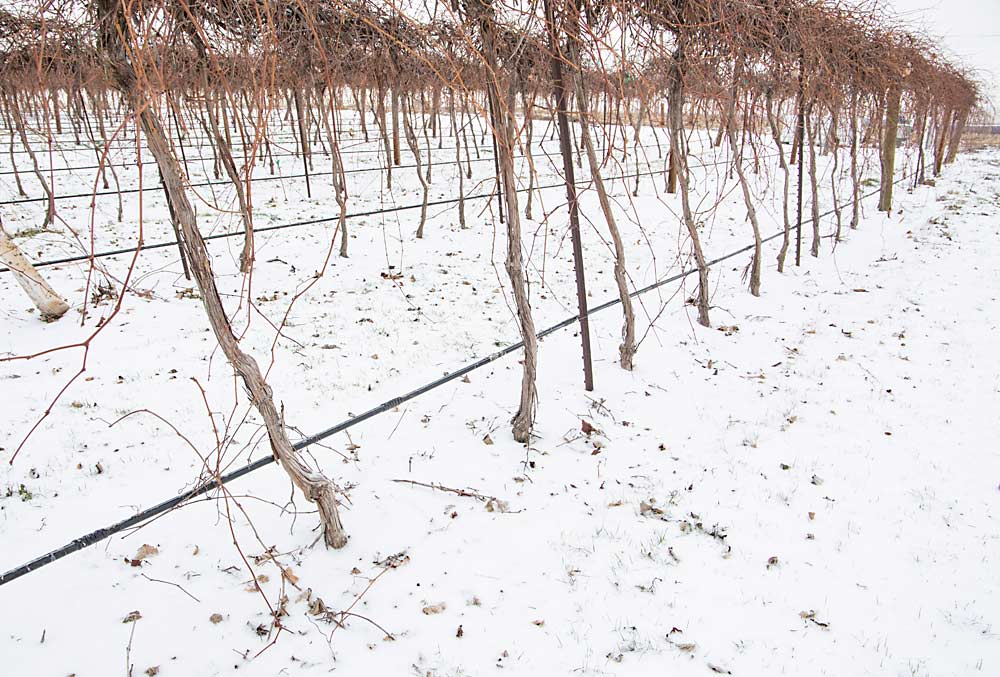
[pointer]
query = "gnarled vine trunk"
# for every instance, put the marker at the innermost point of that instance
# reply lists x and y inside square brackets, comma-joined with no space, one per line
[675,117]
[627,349]
[503,131]
[786,171]
[313,484]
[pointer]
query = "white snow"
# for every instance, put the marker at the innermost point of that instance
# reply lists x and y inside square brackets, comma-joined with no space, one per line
[807,489]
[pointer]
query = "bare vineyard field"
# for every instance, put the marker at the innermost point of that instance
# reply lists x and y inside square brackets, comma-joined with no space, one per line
[554,339]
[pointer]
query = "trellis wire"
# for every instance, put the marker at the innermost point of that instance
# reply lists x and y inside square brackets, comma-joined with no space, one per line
[328,219]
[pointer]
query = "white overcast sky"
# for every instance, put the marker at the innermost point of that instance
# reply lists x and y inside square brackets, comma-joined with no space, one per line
[970,31]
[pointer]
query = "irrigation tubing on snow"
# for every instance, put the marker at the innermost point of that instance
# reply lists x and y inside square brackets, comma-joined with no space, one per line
[160,508]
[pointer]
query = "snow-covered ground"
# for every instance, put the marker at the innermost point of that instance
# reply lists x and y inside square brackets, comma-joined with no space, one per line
[804,489]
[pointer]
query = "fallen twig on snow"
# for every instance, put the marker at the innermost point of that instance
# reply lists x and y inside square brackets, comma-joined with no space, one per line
[492,502]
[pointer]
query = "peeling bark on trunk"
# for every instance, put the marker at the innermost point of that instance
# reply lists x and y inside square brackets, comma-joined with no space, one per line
[889,149]
[671,171]
[15,109]
[524,419]
[313,484]
[427,139]
[380,120]
[337,176]
[942,142]
[956,137]
[813,184]
[921,138]
[751,211]
[458,159]
[85,124]
[304,139]
[414,144]
[465,141]
[226,155]
[855,176]
[13,164]
[786,170]
[529,124]
[49,303]
[833,140]
[360,99]
[676,120]
[794,155]
[627,349]
[396,158]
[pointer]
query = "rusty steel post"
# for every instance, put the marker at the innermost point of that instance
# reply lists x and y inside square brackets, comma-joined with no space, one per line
[566,149]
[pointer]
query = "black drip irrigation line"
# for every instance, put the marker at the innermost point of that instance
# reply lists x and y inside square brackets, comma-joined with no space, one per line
[328,219]
[160,508]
